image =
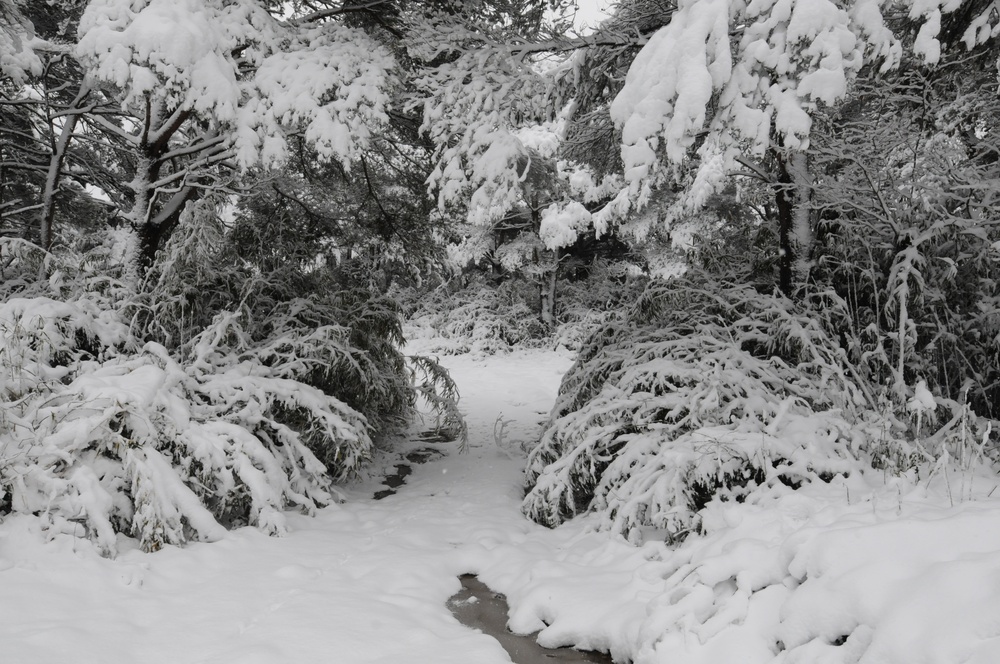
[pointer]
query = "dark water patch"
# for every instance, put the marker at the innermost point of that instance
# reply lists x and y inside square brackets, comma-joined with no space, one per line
[394,481]
[398,478]
[424,455]
[479,607]
[435,436]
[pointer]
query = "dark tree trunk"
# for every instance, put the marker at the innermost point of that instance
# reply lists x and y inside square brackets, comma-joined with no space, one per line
[153,235]
[785,203]
[59,146]
[792,194]
[548,293]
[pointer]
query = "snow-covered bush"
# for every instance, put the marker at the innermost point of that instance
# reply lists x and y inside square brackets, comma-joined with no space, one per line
[21,263]
[901,241]
[102,434]
[704,390]
[343,340]
[485,318]
[215,396]
[594,293]
[480,319]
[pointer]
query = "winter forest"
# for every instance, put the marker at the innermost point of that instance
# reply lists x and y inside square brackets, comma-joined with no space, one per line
[682,325]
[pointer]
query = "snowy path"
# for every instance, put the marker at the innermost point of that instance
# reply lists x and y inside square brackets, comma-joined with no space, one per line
[363,582]
[896,575]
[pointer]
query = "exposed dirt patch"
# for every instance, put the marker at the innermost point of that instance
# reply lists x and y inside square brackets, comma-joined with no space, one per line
[479,607]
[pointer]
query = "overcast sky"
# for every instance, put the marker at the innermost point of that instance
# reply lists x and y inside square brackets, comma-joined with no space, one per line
[591,12]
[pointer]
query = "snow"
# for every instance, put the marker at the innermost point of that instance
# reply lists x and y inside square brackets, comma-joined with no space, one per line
[923,400]
[590,14]
[497,183]
[927,43]
[194,55]
[748,74]
[18,59]
[561,224]
[848,571]
[983,28]
[366,580]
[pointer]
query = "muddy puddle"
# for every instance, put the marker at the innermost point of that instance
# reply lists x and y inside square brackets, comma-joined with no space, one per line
[479,607]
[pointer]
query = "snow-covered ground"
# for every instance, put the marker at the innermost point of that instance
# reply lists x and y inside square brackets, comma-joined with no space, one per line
[894,576]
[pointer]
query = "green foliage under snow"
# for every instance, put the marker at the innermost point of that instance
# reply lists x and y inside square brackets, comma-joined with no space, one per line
[478,319]
[485,318]
[210,398]
[706,390]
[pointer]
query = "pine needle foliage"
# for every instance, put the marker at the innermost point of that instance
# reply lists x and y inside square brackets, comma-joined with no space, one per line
[434,385]
[295,314]
[103,432]
[906,230]
[218,395]
[706,389]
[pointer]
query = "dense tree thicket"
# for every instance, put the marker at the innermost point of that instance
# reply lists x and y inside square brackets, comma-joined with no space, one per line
[846,319]
[203,204]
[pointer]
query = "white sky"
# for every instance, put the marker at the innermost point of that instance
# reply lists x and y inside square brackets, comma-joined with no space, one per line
[591,12]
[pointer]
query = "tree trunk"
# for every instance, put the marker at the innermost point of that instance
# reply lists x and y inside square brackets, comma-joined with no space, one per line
[548,293]
[802,232]
[138,246]
[784,200]
[52,182]
[151,224]
[155,233]
[59,145]
[794,232]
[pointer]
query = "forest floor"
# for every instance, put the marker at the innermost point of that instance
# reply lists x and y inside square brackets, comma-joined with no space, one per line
[364,581]
[913,579]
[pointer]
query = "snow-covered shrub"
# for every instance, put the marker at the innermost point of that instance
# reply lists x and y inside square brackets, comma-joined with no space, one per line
[704,390]
[489,323]
[294,314]
[899,231]
[214,396]
[573,333]
[107,435]
[480,319]
[600,289]
[486,318]
[21,263]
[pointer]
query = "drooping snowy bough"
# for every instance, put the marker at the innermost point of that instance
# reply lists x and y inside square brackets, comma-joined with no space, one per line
[207,84]
[217,395]
[99,436]
[705,391]
[731,77]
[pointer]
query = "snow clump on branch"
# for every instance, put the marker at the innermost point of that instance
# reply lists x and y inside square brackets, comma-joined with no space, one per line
[749,75]
[193,57]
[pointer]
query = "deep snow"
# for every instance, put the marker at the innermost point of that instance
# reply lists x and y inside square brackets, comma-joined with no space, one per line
[365,581]
[895,575]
